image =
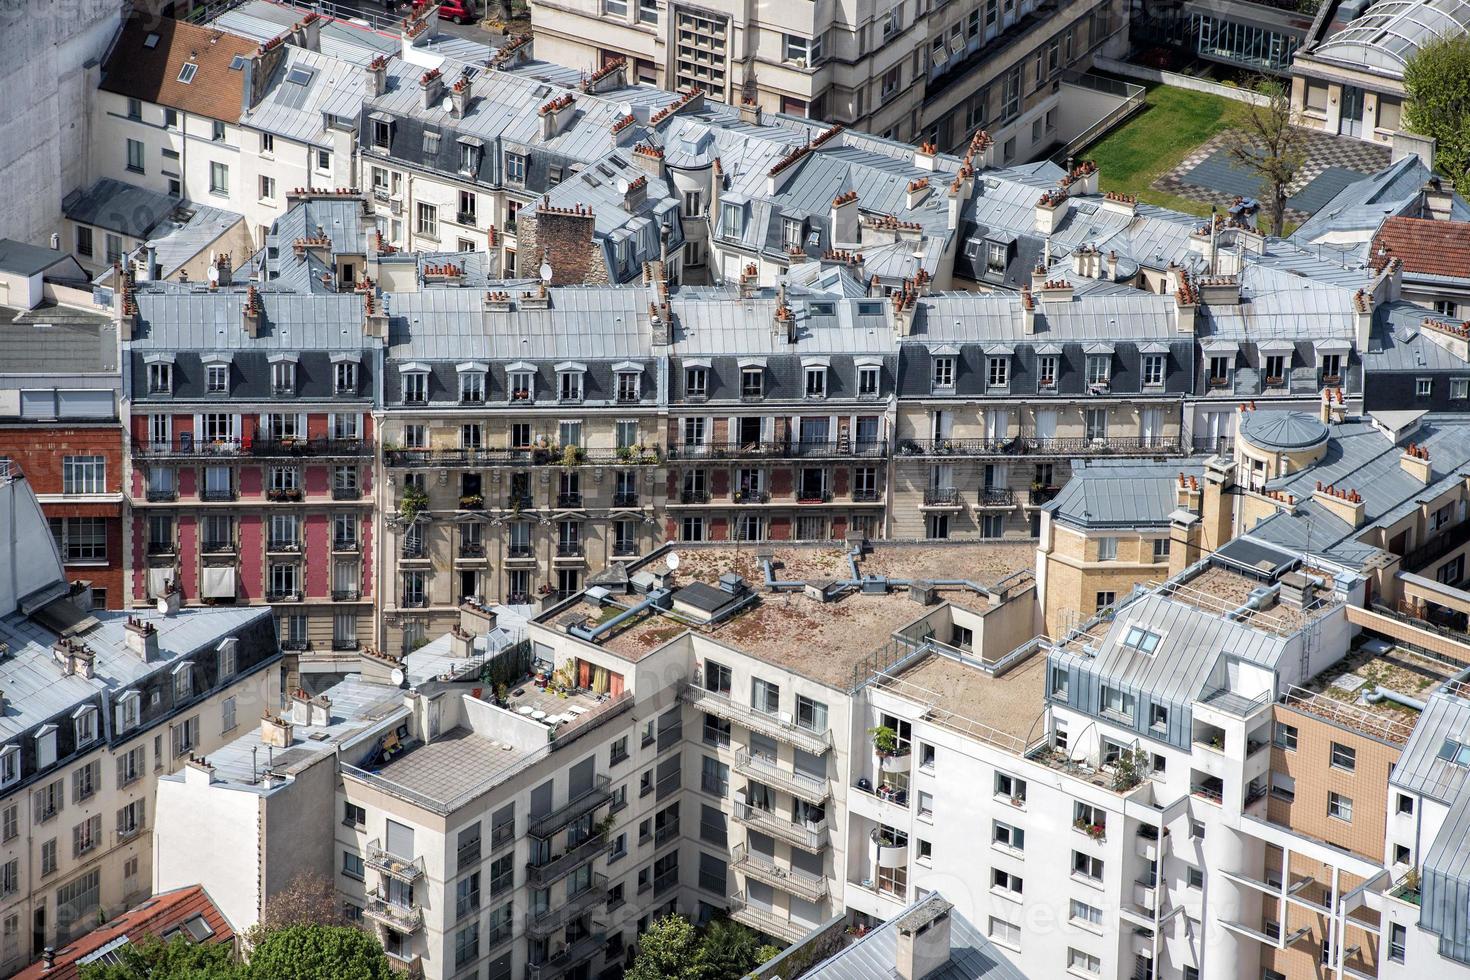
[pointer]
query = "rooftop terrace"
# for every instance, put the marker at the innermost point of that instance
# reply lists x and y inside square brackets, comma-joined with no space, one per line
[1349,693]
[820,640]
[1004,709]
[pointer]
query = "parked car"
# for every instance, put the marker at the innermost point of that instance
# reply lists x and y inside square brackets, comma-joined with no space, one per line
[459,11]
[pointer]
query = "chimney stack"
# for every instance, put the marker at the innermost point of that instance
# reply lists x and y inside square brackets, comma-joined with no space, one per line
[459,97]
[845,219]
[250,313]
[431,85]
[556,114]
[224,268]
[142,639]
[924,938]
[377,71]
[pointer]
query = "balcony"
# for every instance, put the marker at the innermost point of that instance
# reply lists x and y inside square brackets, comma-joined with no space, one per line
[217,496]
[813,496]
[346,493]
[997,497]
[792,880]
[471,549]
[518,501]
[941,498]
[569,549]
[797,784]
[412,550]
[414,601]
[578,806]
[625,549]
[282,595]
[1039,495]
[543,875]
[520,552]
[792,449]
[567,957]
[867,496]
[1029,445]
[780,727]
[285,495]
[392,865]
[296,644]
[625,498]
[551,919]
[750,497]
[284,546]
[811,837]
[219,547]
[1441,543]
[346,595]
[162,495]
[766,921]
[345,544]
[466,218]
[694,497]
[161,547]
[520,456]
[572,499]
[406,919]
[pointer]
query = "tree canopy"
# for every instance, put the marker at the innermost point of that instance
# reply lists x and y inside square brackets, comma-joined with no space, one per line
[297,952]
[1267,142]
[672,949]
[1437,80]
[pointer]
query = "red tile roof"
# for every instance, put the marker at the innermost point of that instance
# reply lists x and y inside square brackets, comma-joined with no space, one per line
[1435,248]
[157,916]
[151,72]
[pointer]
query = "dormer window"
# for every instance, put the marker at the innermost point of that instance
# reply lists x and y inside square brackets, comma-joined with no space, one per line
[344,378]
[515,168]
[942,373]
[187,71]
[522,385]
[1153,370]
[84,720]
[382,134]
[999,373]
[752,382]
[569,382]
[469,157]
[696,383]
[183,682]
[283,377]
[416,387]
[1099,369]
[868,381]
[472,386]
[46,746]
[996,257]
[791,232]
[732,219]
[160,378]
[129,708]
[630,385]
[228,658]
[217,379]
[816,381]
[9,765]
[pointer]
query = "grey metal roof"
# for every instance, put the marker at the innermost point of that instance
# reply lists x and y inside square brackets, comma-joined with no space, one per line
[596,323]
[116,206]
[334,88]
[193,317]
[1122,493]
[54,340]
[261,20]
[874,956]
[1419,768]
[1283,430]
[190,230]
[1398,343]
[21,259]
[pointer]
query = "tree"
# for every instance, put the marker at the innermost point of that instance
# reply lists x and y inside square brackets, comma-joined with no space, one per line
[316,952]
[1267,143]
[152,959]
[1437,81]
[308,899]
[728,951]
[667,950]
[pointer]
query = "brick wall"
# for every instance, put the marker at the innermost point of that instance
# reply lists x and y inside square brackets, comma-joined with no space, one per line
[565,240]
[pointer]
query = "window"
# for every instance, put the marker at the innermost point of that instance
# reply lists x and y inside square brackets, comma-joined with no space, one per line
[352,865]
[867,381]
[999,376]
[1194,877]
[1405,805]
[267,188]
[811,715]
[187,71]
[1153,370]
[135,156]
[752,382]
[1107,549]
[1158,717]
[1087,866]
[816,382]
[765,696]
[1344,757]
[1340,806]
[1137,637]
[227,715]
[1117,702]
[803,51]
[416,388]
[791,233]
[1005,933]
[1423,387]
[1060,683]
[1398,941]
[1087,916]
[1161,550]
[696,385]
[80,539]
[1103,600]
[1080,962]
[1285,737]
[515,168]
[428,220]
[1007,836]
[1010,787]
[1460,388]
[219,178]
[943,372]
[569,386]
[1005,882]
[732,221]
[84,474]
[1047,371]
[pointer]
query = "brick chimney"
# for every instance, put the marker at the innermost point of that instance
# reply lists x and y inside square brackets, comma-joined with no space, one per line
[461,643]
[924,155]
[556,114]
[307,33]
[377,76]
[636,194]
[459,97]
[141,637]
[1028,311]
[1415,462]
[250,313]
[1051,208]
[224,268]
[610,76]
[924,939]
[431,86]
[650,159]
[1343,502]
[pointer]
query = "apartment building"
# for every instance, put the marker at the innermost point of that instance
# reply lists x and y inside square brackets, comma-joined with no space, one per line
[97,707]
[250,437]
[60,396]
[780,414]
[911,71]
[524,449]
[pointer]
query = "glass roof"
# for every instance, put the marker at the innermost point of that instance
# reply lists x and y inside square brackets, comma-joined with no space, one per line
[1390,32]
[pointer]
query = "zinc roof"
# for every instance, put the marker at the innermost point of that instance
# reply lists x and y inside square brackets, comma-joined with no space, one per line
[596,323]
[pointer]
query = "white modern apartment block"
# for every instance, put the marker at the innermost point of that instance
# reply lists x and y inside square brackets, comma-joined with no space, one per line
[98,707]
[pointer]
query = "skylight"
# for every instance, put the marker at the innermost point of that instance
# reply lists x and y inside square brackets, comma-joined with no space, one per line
[1141,640]
[186,73]
[237,63]
[299,76]
[1455,752]
[151,41]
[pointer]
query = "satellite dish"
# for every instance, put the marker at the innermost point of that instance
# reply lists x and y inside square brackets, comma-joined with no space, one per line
[546,272]
[673,561]
[622,186]
[447,105]
[213,274]
[398,676]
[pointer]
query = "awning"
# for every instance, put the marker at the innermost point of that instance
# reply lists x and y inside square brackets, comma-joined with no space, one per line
[218,582]
[158,580]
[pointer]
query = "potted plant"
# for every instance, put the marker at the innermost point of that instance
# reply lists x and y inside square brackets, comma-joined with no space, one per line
[625,453]
[502,694]
[1129,770]
[414,502]
[572,455]
[885,741]
[471,501]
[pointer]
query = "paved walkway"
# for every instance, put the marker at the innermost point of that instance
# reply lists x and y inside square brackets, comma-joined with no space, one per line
[1324,151]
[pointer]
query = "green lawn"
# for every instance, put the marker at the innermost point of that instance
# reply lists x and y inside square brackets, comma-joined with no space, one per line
[1153,142]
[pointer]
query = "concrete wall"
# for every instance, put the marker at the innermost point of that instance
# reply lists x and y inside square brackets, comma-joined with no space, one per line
[44,130]
[1177,80]
[226,862]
